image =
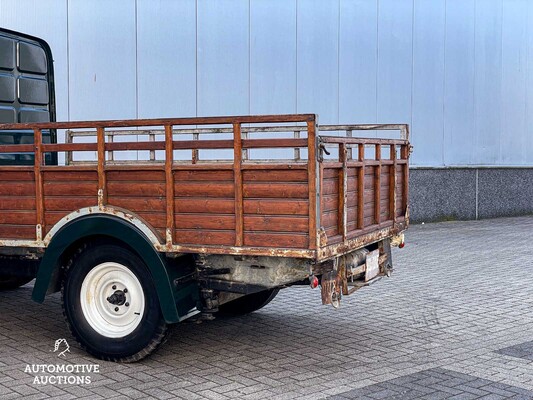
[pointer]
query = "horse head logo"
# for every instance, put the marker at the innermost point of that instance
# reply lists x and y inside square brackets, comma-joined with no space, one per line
[58,344]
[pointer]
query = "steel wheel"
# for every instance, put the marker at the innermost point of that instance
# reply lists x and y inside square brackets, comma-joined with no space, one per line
[114,300]
[111,304]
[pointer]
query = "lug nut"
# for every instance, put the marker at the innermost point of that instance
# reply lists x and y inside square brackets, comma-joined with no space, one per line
[114,287]
[116,309]
[125,290]
[127,304]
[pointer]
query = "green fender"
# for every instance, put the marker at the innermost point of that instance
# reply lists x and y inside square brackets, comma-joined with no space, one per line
[108,225]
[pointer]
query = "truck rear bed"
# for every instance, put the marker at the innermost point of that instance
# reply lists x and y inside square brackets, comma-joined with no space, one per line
[311,206]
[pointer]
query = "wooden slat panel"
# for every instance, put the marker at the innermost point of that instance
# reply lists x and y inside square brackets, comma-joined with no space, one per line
[329,219]
[17,217]
[8,176]
[276,190]
[276,207]
[53,217]
[330,202]
[136,176]
[17,232]
[205,237]
[200,175]
[138,189]
[204,189]
[17,189]
[276,224]
[330,186]
[275,176]
[68,203]
[137,204]
[291,240]
[17,203]
[156,220]
[330,173]
[71,188]
[69,176]
[203,205]
[204,221]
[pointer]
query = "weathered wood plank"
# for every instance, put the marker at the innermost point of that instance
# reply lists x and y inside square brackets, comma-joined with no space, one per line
[205,237]
[276,207]
[12,217]
[17,232]
[276,224]
[292,240]
[17,189]
[75,188]
[276,190]
[275,175]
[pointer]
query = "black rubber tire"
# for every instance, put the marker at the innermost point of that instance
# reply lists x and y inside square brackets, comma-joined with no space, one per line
[247,304]
[12,282]
[152,330]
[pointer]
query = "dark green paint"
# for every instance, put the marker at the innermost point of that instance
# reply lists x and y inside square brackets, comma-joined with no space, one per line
[175,302]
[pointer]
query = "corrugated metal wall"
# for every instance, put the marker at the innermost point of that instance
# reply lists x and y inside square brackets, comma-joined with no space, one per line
[460,71]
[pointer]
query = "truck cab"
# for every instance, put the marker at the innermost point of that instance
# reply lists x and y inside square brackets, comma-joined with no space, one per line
[26,91]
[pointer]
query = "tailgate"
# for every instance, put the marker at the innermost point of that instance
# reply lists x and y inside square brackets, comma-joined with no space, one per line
[363,187]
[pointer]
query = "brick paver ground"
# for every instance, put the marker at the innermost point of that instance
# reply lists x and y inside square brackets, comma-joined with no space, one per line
[454,321]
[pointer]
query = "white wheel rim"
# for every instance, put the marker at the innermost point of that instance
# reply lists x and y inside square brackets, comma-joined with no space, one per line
[110,318]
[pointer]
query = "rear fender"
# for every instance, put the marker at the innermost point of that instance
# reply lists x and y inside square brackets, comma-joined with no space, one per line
[174,306]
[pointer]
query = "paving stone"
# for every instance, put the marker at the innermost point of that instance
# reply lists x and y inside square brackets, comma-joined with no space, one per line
[455,319]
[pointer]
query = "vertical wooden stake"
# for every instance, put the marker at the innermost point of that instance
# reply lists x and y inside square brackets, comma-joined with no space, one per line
[405,189]
[343,191]
[102,186]
[377,187]
[237,175]
[311,179]
[361,188]
[169,184]
[392,185]
[39,191]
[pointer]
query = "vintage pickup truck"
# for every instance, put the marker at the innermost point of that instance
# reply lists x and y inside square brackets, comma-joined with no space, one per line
[215,215]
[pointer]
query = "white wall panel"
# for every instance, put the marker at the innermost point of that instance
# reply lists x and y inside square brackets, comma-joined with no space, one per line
[273,57]
[428,80]
[459,119]
[102,54]
[358,59]
[528,133]
[318,67]
[513,143]
[166,58]
[487,81]
[223,57]
[395,51]
[33,18]
[461,71]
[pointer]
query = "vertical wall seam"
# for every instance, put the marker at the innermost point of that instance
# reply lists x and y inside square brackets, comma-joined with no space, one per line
[477,193]
[338,61]
[136,66]
[444,84]
[68,63]
[196,57]
[296,66]
[249,57]
[413,3]
[500,159]
[376,116]
[476,141]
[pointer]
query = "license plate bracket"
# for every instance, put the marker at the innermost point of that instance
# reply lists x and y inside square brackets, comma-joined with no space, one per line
[372,265]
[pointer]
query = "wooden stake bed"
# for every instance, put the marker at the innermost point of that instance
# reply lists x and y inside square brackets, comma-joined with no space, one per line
[309,206]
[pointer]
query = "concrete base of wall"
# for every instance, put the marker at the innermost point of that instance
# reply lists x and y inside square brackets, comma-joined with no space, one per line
[438,194]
